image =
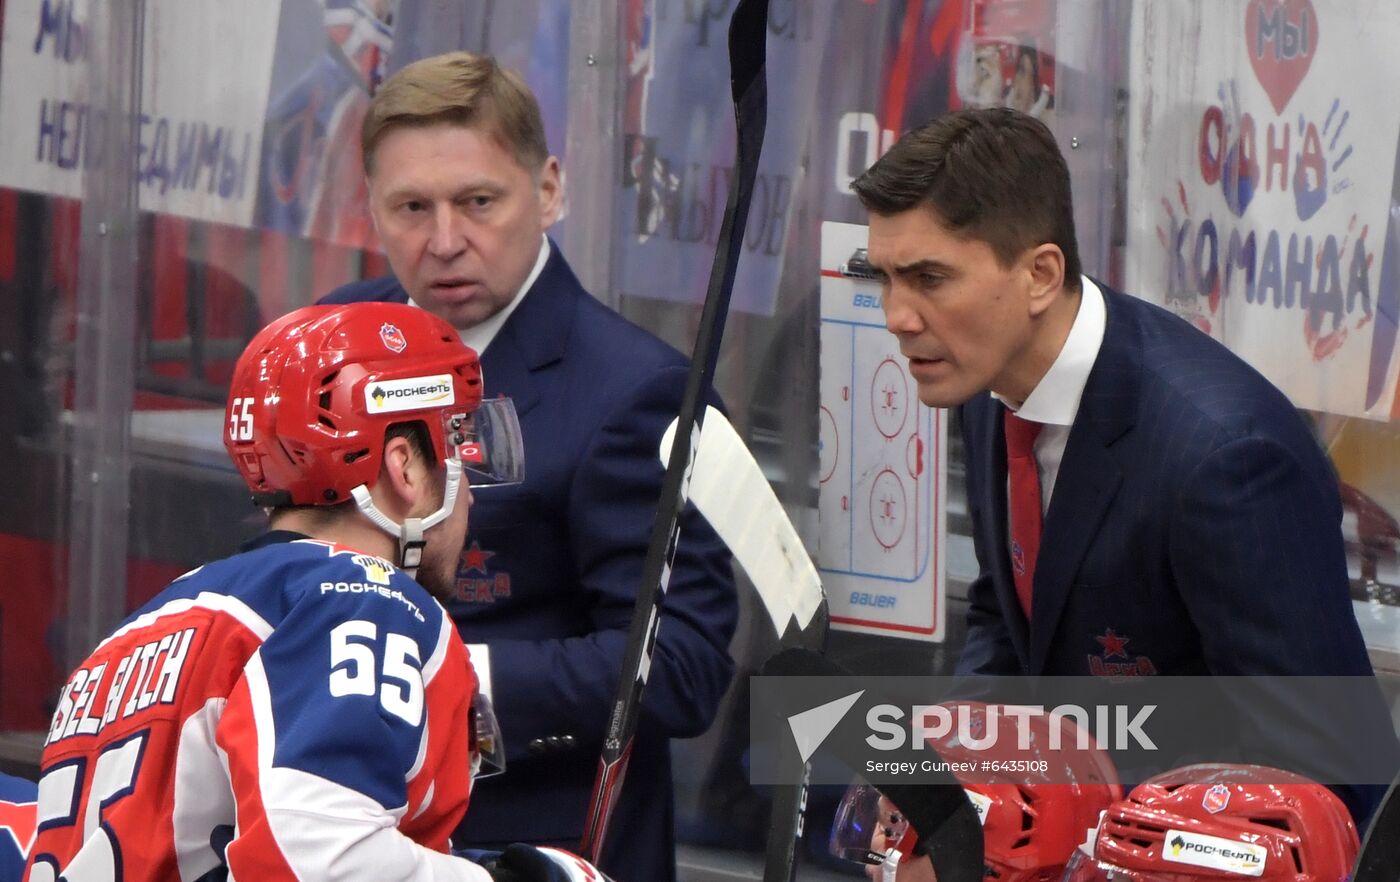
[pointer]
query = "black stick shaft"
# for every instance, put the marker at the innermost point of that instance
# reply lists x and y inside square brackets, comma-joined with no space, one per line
[747,53]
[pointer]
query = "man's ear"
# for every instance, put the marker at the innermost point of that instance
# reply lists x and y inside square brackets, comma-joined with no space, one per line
[401,479]
[1045,271]
[551,192]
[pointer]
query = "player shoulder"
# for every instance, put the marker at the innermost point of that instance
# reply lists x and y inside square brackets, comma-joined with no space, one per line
[272,578]
[370,585]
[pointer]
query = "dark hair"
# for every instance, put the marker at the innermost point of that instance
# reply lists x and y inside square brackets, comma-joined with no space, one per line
[992,174]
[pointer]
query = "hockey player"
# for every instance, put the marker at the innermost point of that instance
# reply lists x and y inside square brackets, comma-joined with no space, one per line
[1031,822]
[1221,822]
[303,709]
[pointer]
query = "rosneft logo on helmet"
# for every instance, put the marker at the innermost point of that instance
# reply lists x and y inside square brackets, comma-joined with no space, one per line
[413,393]
[1199,850]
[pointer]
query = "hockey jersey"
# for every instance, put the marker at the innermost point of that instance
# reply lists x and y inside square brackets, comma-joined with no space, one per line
[297,711]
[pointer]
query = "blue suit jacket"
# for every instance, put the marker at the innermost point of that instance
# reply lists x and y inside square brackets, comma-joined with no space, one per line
[1195,528]
[551,569]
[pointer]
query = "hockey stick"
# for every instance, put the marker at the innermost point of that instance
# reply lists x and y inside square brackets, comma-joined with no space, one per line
[1379,860]
[730,490]
[765,544]
[788,813]
[748,31]
[950,832]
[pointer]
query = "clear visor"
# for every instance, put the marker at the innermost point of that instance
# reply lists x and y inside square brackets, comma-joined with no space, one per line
[866,827]
[1083,868]
[488,443]
[489,753]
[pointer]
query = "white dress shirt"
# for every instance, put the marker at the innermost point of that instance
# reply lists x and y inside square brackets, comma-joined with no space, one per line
[1054,402]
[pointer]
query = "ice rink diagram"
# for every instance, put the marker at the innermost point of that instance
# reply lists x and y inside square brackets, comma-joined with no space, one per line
[882,486]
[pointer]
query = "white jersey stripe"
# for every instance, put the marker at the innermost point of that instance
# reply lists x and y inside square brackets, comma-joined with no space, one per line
[446,631]
[260,697]
[202,798]
[221,603]
[422,754]
[427,800]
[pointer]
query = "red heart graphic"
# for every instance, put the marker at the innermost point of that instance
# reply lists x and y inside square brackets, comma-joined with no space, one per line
[1281,39]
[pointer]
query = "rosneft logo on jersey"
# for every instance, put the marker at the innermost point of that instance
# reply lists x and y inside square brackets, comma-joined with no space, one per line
[413,393]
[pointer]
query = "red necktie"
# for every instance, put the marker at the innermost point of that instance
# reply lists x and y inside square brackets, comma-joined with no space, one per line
[1024,484]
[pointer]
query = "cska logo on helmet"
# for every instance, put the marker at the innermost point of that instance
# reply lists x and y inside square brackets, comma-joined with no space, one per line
[392,338]
[1216,799]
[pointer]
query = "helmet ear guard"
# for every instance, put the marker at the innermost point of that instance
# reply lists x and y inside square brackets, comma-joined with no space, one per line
[316,391]
[1222,821]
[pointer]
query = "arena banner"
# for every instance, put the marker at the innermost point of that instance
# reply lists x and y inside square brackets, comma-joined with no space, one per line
[205,73]
[330,57]
[678,147]
[1261,176]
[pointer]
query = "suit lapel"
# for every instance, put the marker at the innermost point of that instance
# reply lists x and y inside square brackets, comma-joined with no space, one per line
[535,336]
[1089,475]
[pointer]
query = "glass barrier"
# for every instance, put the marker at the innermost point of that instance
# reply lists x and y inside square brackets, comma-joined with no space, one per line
[126,297]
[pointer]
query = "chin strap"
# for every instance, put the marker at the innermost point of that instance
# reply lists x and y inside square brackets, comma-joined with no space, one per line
[889,867]
[410,532]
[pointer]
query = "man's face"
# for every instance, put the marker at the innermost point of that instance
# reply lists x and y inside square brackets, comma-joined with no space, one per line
[961,318]
[459,217]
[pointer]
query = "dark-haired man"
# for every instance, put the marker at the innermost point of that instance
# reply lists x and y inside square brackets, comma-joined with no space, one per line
[1142,500]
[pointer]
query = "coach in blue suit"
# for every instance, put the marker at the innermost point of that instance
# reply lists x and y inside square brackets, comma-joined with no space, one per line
[461,191]
[1178,516]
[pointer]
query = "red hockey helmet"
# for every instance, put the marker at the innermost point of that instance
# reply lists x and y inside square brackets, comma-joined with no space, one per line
[1218,821]
[1032,820]
[314,392]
